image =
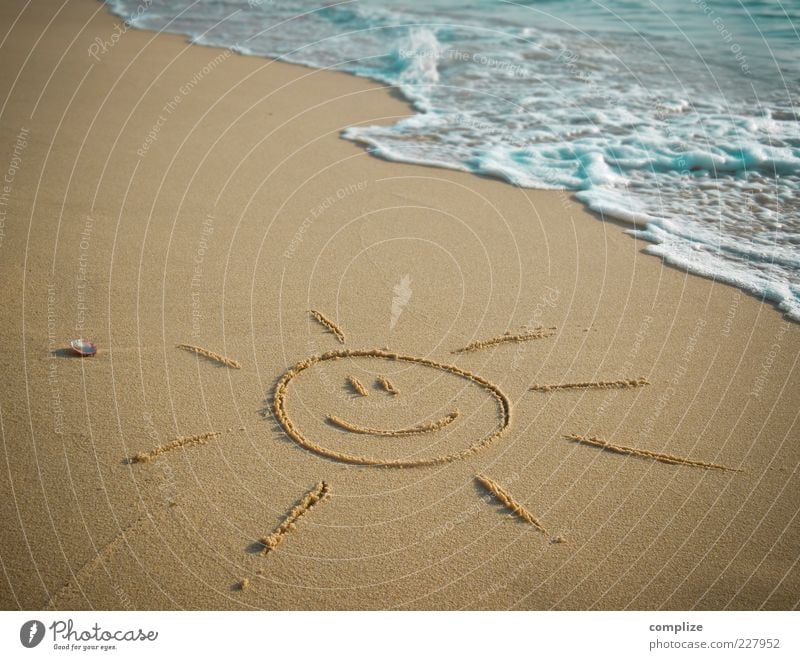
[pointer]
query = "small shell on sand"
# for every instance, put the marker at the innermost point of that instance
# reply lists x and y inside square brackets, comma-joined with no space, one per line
[83,347]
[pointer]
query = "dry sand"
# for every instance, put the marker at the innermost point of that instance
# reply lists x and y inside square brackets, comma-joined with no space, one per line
[243,211]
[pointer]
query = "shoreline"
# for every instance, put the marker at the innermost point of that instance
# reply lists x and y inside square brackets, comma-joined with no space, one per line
[630,224]
[247,210]
[627,219]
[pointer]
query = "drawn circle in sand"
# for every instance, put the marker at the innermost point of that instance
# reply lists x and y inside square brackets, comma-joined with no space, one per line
[282,389]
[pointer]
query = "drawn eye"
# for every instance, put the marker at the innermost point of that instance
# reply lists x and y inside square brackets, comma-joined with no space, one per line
[387,385]
[356,386]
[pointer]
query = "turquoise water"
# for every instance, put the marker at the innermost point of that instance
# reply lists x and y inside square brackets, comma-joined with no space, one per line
[680,116]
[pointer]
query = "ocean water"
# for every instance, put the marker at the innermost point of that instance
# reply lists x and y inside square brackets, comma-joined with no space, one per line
[680,116]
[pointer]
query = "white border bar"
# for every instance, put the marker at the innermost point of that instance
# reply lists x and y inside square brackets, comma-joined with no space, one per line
[404,635]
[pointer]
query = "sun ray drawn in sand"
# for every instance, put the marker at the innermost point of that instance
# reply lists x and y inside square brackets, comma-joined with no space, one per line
[328,324]
[643,453]
[211,355]
[596,385]
[535,333]
[509,502]
[309,501]
[178,443]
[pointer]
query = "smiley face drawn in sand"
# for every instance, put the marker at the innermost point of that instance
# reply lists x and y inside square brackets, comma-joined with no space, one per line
[284,386]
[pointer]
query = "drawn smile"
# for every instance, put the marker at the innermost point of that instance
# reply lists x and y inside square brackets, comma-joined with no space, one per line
[425,427]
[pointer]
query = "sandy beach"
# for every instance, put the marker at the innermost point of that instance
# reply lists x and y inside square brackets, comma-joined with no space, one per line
[158,193]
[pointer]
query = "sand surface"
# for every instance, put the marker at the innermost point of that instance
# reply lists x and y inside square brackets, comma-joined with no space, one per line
[164,194]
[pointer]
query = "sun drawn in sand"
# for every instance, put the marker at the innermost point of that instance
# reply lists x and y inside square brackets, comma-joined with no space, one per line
[476,439]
